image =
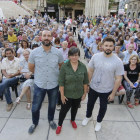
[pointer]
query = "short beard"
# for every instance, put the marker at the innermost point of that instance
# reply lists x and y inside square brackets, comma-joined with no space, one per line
[46,44]
[107,53]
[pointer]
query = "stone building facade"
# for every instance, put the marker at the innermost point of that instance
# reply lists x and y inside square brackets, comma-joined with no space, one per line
[133,8]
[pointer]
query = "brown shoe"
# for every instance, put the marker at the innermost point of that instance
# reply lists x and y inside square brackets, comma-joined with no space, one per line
[9,107]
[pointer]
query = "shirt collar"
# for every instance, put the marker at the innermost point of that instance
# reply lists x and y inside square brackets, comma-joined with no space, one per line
[69,64]
[42,49]
[9,60]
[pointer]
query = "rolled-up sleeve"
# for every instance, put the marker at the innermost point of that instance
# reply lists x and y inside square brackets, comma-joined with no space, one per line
[31,58]
[86,81]
[62,76]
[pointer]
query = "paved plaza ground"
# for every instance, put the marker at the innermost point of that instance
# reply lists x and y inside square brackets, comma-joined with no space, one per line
[120,122]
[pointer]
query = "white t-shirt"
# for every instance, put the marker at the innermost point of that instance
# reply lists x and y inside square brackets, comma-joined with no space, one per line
[10,62]
[20,50]
[34,21]
[105,70]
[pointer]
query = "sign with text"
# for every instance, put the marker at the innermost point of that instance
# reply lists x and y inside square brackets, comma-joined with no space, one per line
[121,7]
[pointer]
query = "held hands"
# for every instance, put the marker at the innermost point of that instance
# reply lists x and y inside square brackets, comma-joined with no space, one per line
[9,76]
[111,97]
[63,99]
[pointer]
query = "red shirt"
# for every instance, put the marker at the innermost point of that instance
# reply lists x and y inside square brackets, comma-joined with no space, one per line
[72,45]
[67,39]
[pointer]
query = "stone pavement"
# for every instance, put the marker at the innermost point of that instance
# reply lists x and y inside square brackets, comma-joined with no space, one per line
[120,122]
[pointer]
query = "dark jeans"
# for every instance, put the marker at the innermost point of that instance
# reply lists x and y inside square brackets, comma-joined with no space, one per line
[71,103]
[74,30]
[86,52]
[4,88]
[92,97]
[38,98]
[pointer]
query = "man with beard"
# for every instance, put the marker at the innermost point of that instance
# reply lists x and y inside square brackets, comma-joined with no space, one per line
[45,62]
[105,75]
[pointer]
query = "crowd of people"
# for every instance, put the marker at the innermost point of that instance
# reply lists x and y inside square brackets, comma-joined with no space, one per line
[42,56]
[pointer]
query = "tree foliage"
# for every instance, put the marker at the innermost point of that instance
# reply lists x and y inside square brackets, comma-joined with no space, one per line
[61,2]
[111,3]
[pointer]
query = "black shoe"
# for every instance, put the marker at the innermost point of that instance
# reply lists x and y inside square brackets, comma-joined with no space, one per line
[32,129]
[53,125]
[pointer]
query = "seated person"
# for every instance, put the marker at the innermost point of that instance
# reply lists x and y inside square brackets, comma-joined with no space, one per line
[99,48]
[24,46]
[37,41]
[93,46]
[34,46]
[118,52]
[132,39]
[10,70]
[28,85]
[128,53]
[71,42]
[11,37]
[31,37]
[7,45]
[64,50]
[131,76]
[57,43]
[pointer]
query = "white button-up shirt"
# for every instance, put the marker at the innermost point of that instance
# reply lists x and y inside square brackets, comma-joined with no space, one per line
[10,68]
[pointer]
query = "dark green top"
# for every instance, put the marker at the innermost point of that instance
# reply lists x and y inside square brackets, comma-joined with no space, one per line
[73,81]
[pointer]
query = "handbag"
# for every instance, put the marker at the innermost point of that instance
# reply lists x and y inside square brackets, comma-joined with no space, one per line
[23,79]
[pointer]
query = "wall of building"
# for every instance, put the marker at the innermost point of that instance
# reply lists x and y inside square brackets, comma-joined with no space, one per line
[133,9]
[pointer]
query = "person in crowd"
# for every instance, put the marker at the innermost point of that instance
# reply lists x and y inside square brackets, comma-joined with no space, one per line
[127,39]
[113,28]
[11,37]
[83,35]
[71,42]
[45,62]
[69,35]
[10,70]
[128,53]
[118,52]
[57,43]
[99,47]
[132,76]
[5,46]
[54,33]
[24,46]
[103,66]
[34,46]
[87,42]
[61,37]
[132,39]
[74,92]
[64,50]
[93,46]
[31,37]
[137,41]
[28,85]
[37,41]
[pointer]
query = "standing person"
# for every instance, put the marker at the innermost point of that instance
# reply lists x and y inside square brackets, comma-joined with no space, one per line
[44,62]
[73,80]
[103,67]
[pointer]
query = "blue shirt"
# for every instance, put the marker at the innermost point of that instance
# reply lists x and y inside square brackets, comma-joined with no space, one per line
[122,48]
[88,41]
[62,39]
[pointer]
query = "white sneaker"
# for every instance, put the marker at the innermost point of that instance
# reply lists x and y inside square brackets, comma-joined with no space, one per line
[98,127]
[86,120]
[58,107]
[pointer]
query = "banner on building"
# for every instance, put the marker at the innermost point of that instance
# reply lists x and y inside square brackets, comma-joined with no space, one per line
[121,7]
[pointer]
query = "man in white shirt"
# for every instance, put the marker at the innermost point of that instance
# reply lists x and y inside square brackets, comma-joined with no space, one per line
[128,53]
[33,21]
[85,23]
[83,35]
[67,22]
[10,70]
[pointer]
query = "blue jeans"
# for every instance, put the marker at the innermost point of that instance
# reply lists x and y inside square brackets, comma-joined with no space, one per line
[4,88]
[38,98]
[86,52]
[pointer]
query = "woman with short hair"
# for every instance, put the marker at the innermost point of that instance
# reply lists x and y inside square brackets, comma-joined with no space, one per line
[73,80]
[131,76]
